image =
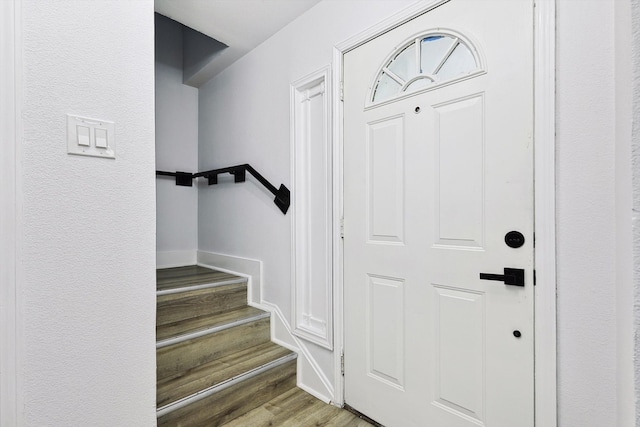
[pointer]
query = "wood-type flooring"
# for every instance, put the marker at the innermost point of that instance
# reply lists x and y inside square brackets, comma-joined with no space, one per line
[216,365]
[297,408]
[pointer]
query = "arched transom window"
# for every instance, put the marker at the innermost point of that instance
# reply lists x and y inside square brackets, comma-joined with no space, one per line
[425,61]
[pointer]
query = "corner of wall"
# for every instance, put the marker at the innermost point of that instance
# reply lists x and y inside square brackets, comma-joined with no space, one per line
[11,343]
[632,20]
[245,267]
[170,259]
[626,186]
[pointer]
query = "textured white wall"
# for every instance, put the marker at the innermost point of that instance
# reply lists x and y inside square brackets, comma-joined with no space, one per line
[176,142]
[87,275]
[8,215]
[244,118]
[635,182]
[586,244]
[624,255]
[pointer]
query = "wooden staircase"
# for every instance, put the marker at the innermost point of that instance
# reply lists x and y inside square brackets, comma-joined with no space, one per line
[215,360]
[216,364]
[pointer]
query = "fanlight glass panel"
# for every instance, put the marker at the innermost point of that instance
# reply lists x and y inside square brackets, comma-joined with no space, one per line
[404,65]
[387,87]
[423,62]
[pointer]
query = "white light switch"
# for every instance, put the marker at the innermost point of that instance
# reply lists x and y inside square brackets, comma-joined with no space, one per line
[90,137]
[101,138]
[84,135]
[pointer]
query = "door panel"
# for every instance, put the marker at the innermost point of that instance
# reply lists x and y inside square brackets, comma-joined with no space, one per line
[385,167]
[459,140]
[433,180]
[458,350]
[385,330]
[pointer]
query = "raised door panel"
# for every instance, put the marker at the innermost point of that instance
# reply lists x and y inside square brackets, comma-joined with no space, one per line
[459,170]
[459,352]
[386,329]
[385,172]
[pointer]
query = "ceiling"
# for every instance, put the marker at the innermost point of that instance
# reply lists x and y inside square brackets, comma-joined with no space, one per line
[240,24]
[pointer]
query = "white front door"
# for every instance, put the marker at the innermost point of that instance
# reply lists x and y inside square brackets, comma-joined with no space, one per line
[438,169]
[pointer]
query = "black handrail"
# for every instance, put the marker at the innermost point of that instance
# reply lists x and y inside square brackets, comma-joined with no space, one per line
[283,195]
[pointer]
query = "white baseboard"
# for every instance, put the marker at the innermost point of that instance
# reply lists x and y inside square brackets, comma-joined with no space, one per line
[245,267]
[310,377]
[170,259]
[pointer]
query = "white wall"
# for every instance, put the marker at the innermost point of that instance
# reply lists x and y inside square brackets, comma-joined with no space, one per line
[86,277]
[244,118]
[586,234]
[624,256]
[176,148]
[635,203]
[9,48]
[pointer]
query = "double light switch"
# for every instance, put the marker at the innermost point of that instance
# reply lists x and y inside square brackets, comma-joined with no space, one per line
[90,137]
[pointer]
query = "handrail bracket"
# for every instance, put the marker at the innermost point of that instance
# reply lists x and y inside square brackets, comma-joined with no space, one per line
[239,172]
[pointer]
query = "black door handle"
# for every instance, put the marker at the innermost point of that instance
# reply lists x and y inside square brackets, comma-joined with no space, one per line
[511,276]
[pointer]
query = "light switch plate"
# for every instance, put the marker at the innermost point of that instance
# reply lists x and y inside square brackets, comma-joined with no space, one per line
[100,141]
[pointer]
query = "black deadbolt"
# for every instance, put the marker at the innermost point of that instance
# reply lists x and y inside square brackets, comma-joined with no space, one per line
[514,239]
[517,334]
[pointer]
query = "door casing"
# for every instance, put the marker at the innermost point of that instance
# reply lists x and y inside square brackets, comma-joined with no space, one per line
[544,199]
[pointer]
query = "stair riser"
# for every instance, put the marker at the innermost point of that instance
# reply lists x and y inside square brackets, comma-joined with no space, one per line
[235,400]
[189,276]
[187,305]
[176,359]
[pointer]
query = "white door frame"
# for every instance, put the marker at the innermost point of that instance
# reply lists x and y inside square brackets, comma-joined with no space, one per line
[544,199]
[10,133]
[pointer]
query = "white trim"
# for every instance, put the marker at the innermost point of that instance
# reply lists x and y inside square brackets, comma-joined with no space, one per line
[10,211]
[393,21]
[544,187]
[312,314]
[311,377]
[244,267]
[171,259]
[545,213]
[338,224]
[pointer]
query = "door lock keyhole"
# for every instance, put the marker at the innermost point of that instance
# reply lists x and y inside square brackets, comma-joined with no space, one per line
[417,110]
[517,333]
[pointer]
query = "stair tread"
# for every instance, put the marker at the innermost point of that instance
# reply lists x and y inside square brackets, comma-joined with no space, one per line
[215,372]
[196,324]
[190,303]
[229,403]
[179,277]
[176,357]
